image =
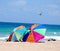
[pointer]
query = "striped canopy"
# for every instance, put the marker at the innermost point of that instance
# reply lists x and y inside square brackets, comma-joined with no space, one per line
[19,33]
[35,35]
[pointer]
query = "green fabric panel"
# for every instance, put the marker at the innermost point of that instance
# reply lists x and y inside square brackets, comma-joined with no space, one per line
[27,31]
[19,36]
[41,31]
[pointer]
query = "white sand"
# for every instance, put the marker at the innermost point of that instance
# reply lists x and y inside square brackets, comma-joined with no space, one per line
[25,46]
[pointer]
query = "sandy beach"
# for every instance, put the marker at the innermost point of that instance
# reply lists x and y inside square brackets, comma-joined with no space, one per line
[26,46]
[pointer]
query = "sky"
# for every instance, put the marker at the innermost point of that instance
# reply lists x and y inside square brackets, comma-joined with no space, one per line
[27,11]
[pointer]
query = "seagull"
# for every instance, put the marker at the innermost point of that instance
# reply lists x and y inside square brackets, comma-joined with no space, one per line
[40,14]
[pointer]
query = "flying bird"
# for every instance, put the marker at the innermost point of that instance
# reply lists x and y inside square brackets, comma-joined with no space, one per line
[40,14]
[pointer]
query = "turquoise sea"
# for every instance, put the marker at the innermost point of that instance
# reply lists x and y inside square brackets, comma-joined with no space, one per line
[6,28]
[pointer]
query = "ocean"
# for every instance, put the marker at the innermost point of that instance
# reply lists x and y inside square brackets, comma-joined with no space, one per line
[6,28]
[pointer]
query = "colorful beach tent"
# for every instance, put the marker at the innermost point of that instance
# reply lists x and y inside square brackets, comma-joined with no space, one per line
[40,29]
[14,38]
[35,35]
[25,36]
[20,33]
[32,37]
[33,26]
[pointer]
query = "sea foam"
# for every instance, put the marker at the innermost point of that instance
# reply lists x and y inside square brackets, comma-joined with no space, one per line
[52,37]
[46,37]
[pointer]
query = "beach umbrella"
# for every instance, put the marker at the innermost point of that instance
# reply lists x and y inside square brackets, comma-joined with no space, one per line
[40,29]
[33,26]
[25,37]
[36,33]
[14,38]
[19,33]
[34,37]
[27,31]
